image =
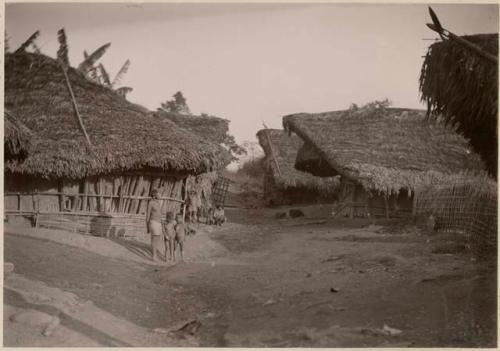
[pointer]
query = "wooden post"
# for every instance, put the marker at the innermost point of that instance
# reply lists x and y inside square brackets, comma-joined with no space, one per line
[84,198]
[353,199]
[370,208]
[75,106]
[60,189]
[185,199]
[37,214]
[414,205]
[123,186]
[19,206]
[386,203]
[137,192]
[76,200]
[272,150]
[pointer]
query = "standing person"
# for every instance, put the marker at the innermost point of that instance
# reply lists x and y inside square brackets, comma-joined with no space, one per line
[153,222]
[193,204]
[169,236]
[181,229]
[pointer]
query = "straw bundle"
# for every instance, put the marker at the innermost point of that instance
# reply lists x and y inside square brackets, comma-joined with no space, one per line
[462,86]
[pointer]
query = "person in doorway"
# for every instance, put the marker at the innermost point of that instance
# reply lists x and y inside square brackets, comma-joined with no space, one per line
[153,223]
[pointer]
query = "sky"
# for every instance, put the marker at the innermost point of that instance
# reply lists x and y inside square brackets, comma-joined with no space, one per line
[253,63]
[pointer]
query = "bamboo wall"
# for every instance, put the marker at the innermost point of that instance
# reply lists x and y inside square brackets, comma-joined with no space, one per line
[359,203]
[119,201]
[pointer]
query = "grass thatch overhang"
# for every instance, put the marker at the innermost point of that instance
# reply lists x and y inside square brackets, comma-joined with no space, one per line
[384,149]
[17,137]
[284,152]
[124,136]
[211,128]
[462,86]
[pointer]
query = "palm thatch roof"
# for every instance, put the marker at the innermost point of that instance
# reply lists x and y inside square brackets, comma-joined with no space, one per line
[124,136]
[17,137]
[462,86]
[209,127]
[280,155]
[383,149]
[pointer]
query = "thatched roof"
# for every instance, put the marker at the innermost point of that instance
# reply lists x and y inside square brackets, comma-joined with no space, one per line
[17,137]
[383,149]
[284,151]
[209,127]
[462,86]
[124,136]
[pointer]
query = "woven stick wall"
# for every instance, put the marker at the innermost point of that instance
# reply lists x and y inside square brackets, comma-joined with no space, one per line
[467,207]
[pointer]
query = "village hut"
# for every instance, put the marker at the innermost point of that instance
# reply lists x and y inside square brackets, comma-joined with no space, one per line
[461,85]
[101,187]
[283,183]
[17,137]
[383,155]
[210,186]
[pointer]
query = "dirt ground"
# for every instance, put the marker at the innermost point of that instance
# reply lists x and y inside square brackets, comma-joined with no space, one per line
[287,283]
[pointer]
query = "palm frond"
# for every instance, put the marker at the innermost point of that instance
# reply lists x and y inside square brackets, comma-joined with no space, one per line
[104,75]
[62,53]
[91,59]
[36,49]
[121,73]
[435,21]
[93,74]
[28,42]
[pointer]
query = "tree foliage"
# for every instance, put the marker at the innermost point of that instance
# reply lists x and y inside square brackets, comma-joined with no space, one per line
[177,105]
[99,74]
[232,146]
[6,43]
[372,106]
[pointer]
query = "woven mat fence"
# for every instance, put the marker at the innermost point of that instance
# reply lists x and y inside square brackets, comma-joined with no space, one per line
[466,208]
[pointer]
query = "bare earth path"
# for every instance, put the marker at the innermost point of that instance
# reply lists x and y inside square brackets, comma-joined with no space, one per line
[325,285]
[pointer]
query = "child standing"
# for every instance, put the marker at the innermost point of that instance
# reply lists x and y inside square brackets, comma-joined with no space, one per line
[169,236]
[181,230]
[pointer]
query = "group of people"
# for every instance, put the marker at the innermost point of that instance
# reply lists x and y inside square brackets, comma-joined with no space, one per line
[214,216]
[172,233]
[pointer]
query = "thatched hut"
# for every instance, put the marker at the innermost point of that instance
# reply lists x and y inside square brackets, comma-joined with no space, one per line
[283,183]
[215,130]
[103,187]
[384,155]
[462,86]
[17,137]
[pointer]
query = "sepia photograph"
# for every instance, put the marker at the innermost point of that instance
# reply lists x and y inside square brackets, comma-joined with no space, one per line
[265,175]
